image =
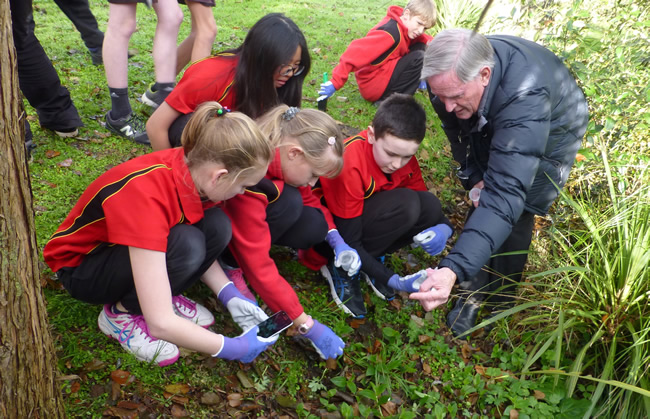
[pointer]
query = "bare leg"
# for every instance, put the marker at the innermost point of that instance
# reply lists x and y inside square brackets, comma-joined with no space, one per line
[199,42]
[121,25]
[170,17]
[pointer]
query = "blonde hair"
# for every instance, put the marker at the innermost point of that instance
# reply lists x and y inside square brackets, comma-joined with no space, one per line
[213,135]
[425,9]
[314,130]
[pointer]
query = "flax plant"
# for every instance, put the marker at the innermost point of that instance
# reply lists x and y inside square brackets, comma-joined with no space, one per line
[599,315]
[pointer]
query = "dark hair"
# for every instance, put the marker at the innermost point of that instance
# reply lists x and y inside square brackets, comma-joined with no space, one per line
[270,42]
[400,115]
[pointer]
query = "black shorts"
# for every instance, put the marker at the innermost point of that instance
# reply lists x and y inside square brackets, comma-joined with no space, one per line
[209,3]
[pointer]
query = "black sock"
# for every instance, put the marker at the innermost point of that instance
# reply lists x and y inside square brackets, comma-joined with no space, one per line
[120,106]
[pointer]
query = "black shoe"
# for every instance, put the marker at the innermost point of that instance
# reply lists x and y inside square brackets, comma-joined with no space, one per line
[131,127]
[462,317]
[382,291]
[346,291]
[155,99]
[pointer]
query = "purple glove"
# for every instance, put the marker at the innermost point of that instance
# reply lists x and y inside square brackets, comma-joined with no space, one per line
[245,347]
[433,239]
[244,312]
[326,91]
[409,283]
[326,343]
[422,85]
[345,257]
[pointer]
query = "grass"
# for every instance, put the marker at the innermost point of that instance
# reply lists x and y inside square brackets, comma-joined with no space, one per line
[399,362]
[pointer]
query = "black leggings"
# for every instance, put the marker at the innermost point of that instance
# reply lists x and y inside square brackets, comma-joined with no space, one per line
[291,223]
[406,75]
[105,275]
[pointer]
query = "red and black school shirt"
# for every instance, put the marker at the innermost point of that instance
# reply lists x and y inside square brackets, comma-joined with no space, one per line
[251,238]
[373,58]
[210,79]
[361,178]
[133,204]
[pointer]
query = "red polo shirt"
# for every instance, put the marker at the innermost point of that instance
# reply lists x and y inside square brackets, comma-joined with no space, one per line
[133,204]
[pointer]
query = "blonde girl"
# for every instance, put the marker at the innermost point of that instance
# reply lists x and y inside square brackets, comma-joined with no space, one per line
[146,230]
[282,210]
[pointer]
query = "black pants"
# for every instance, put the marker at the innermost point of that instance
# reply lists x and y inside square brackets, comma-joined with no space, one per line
[291,223]
[389,221]
[498,279]
[38,79]
[78,11]
[406,75]
[105,275]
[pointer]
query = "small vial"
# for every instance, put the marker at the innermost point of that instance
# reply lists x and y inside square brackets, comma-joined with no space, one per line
[423,237]
[475,194]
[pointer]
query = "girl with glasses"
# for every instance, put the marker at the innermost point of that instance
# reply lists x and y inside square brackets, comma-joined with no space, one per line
[268,69]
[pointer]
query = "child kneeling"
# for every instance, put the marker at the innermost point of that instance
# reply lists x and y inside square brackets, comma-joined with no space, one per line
[146,230]
[379,203]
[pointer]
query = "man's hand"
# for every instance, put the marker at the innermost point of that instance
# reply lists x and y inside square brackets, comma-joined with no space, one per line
[435,290]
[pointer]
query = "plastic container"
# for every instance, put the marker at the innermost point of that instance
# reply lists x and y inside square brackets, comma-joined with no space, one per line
[475,194]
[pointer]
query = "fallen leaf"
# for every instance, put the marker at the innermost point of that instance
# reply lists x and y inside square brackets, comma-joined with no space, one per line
[65,163]
[419,321]
[426,368]
[244,380]
[52,153]
[116,412]
[580,157]
[234,399]
[389,408]
[424,338]
[116,392]
[376,347]
[120,376]
[75,386]
[539,395]
[179,411]
[126,404]
[176,398]
[210,398]
[514,414]
[331,364]
[480,369]
[466,352]
[395,303]
[355,323]
[180,388]
[286,401]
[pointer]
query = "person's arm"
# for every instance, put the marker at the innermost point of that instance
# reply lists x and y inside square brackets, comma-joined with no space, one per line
[361,53]
[155,297]
[158,126]
[520,135]
[154,294]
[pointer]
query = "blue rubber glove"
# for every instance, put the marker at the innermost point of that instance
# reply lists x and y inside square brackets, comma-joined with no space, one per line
[245,347]
[434,238]
[345,257]
[409,283]
[325,341]
[326,90]
[244,312]
[422,85]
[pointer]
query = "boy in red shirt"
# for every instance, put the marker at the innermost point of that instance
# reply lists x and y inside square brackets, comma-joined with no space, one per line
[389,58]
[380,202]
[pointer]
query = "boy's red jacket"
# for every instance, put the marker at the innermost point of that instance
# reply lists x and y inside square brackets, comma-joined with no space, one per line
[373,58]
[251,238]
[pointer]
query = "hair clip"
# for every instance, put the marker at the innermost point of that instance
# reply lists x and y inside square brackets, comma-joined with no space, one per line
[222,111]
[331,141]
[290,113]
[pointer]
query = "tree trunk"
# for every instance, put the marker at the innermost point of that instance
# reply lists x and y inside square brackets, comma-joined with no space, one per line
[28,372]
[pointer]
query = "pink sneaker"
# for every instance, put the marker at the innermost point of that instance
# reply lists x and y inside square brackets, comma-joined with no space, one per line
[237,277]
[132,333]
[192,311]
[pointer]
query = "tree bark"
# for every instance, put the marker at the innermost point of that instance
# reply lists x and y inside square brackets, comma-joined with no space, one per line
[28,367]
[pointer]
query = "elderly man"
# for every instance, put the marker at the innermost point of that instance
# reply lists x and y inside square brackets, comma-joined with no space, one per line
[515,119]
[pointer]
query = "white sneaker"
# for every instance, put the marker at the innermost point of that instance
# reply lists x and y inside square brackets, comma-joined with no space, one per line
[192,311]
[132,333]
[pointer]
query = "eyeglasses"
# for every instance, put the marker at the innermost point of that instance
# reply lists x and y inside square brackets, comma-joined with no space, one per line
[286,69]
